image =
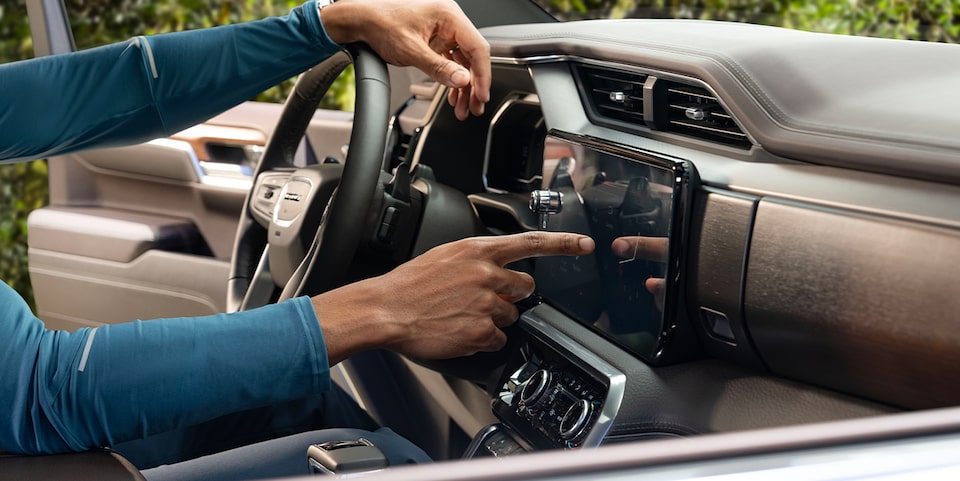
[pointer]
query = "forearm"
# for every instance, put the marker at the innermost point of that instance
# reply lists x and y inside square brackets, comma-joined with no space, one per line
[78,391]
[355,318]
[150,87]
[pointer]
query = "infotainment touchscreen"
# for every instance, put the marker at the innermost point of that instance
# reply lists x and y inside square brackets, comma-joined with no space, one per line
[632,206]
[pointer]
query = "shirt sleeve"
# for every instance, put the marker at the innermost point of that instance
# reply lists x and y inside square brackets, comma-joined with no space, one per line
[100,386]
[150,87]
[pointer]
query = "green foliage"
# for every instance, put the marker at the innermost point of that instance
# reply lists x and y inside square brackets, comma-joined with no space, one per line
[15,41]
[931,20]
[23,187]
[98,22]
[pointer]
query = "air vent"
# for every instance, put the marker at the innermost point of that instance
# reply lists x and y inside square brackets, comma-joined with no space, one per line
[696,112]
[614,94]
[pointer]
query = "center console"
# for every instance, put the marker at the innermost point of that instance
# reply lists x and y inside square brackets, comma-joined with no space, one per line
[554,394]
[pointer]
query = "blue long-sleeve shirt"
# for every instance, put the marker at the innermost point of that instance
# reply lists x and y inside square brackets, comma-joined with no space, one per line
[98,387]
[150,87]
[65,391]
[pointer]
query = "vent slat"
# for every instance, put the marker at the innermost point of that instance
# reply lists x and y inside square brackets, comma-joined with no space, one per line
[708,128]
[606,93]
[613,110]
[615,95]
[692,93]
[694,111]
[634,83]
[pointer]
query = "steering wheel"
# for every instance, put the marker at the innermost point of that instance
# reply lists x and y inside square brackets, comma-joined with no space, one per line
[303,225]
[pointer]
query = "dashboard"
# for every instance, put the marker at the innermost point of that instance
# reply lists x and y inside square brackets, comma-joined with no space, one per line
[798,232]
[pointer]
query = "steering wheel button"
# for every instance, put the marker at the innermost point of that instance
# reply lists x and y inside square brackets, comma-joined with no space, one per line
[383,233]
[389,215]
[386,226]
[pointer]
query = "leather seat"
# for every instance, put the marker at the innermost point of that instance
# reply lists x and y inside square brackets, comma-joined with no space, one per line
[103,465]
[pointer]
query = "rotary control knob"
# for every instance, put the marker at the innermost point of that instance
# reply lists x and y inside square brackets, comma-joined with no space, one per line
[575,420]
[535,387]
[545,203]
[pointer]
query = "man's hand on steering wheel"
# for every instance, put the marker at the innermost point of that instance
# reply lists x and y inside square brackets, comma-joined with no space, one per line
[432,35]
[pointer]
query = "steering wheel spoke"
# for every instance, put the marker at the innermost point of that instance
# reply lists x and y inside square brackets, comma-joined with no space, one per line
[297,216]
[312,218]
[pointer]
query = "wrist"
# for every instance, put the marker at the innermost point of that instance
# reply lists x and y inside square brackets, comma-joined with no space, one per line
[341,20]
[353,319]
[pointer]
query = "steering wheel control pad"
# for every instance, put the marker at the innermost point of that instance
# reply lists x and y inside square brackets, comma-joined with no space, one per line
[265,195]
[297,207]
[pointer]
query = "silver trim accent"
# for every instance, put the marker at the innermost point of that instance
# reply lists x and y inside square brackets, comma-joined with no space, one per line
[86,350]
[283,196]
[541,59]
[340,373]
[440,95]
[489,201]
[617,380]
[388,147]
[530,60]
[479,439]
[536,389]
[706,128]
[230,180]
[149,51]
[261,284]
[579,424]
[522,99]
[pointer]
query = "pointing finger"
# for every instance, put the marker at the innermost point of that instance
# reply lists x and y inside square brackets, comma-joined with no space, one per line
[506,249]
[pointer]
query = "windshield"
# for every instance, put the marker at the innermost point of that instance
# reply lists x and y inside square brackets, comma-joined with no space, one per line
[930,20]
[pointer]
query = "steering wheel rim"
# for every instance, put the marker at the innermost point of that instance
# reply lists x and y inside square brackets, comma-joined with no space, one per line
[329,255]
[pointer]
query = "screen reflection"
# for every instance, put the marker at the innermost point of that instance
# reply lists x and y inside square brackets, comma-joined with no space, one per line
[626,207]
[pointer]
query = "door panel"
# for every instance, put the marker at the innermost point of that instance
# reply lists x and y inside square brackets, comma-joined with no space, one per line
[83,291]
[147,231]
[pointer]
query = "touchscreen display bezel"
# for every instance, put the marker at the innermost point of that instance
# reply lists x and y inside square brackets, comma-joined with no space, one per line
[683,180]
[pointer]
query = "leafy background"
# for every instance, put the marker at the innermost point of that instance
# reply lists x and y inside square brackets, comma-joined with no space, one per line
[931,20]
[96,22]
